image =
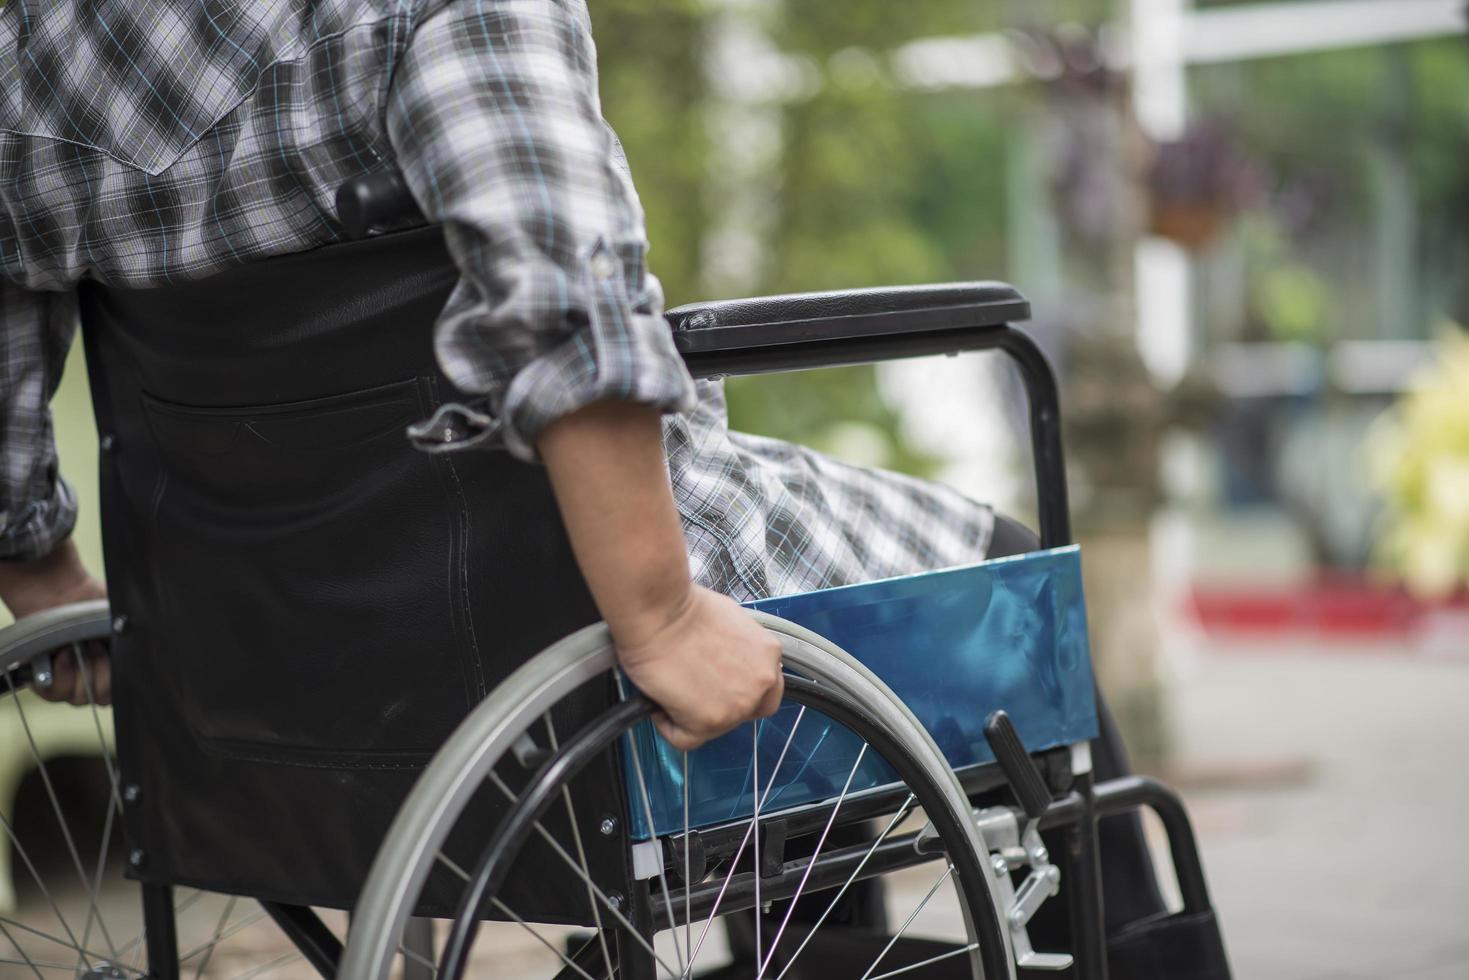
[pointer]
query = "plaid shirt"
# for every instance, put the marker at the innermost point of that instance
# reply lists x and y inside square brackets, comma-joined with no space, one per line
[146,142]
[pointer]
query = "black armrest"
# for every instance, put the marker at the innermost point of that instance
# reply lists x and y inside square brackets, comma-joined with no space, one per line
[845,327]
[813,330]
[798,318]
[772,333]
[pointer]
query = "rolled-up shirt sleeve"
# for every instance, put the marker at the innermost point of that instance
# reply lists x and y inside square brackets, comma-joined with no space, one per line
[494,115]
[37,507]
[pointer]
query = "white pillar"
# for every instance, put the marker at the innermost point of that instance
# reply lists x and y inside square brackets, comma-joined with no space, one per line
[748,80]
[1164,276]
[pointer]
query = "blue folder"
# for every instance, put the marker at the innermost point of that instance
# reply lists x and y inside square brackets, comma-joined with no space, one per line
[954,644]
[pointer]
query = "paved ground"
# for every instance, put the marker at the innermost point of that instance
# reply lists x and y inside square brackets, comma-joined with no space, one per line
[1359,868]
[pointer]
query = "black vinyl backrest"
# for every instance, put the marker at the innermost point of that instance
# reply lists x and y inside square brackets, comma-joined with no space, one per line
[311,605]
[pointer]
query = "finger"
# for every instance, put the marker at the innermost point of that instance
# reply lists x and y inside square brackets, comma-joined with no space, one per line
[71,685]
[674,734]
[63,677]
[770,704]
[81,688]
[96,668]
[102,680]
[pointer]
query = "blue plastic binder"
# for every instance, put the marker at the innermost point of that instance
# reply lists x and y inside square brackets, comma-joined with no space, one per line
[954,644]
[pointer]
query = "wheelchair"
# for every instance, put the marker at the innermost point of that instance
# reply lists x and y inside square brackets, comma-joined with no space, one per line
[314,710]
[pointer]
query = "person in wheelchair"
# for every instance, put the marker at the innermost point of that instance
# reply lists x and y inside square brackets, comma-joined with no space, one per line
[171,166]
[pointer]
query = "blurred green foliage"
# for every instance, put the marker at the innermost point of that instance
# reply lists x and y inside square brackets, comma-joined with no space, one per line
[655,93]
[876,186]
[1326,126]
[1292,300]
[1419,456]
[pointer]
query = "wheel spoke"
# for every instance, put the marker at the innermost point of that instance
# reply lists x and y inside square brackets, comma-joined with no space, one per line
[755,855]
[820,842]
[899,934]
[45,892]
[214,941]
[114,804]
[581,853]
[76,858]
[281,960]
[688,906]
[805,764]
[448,862]
[140,948]
[135,945]
[97,878]
[421,960]
[928,962]
[601,896]
[897,817]
[50,938]
[744,842]
[637,764]
[179,907]
[35,967]
[448,805]
[112,776]
[238,927]
[495,901]
[38,965]
[568,961]
[184,904]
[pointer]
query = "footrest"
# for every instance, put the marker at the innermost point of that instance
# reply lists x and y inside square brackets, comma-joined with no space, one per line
[1183,946]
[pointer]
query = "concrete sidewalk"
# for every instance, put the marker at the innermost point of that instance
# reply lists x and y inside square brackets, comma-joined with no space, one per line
[1358,868]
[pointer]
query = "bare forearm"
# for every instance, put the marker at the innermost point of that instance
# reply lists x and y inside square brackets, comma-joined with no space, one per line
[54,580]
[696,653]
[611,482]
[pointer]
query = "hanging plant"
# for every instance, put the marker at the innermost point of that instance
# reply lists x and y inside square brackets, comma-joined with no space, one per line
[1196,184]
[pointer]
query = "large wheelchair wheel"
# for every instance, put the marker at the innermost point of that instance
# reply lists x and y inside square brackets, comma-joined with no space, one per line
[495,817]
[66,905]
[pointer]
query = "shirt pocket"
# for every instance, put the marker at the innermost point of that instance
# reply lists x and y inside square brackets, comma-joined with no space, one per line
[138,81]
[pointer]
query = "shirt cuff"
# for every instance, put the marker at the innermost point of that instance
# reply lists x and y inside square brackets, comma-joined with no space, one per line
[622,356]
[36,528]
[622,351]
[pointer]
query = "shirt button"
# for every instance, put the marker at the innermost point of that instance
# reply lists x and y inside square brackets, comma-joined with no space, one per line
[603,266]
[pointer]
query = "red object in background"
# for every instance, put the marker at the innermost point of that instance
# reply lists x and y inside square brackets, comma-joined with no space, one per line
[1331,607]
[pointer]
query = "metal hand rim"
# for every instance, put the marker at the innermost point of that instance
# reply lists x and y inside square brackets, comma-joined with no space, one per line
[466,759]
[457,770]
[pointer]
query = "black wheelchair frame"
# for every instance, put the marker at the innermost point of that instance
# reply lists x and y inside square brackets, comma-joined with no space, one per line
[793,333]
[836,329]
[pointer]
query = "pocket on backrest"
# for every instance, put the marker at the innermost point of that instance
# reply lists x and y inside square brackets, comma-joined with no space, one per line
[310,578]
